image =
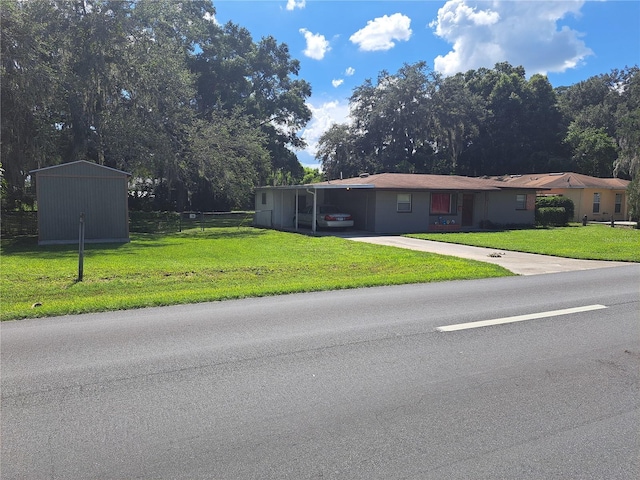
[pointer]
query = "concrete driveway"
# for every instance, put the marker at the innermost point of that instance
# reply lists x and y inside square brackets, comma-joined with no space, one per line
[517,262]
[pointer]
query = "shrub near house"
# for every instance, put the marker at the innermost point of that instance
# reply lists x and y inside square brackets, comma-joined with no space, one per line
[554,211]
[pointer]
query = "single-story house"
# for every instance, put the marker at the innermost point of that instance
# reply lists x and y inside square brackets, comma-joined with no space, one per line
[600,199]
[65,191]
[402,203]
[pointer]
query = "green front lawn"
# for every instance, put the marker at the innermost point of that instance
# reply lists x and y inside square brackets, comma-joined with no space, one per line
[593,242]
[196,266]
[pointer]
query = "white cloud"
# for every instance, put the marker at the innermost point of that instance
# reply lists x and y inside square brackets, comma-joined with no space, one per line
[211,18]
[323,116]
[349,71]
[317,45]
[379,34]
[293,4]
[337,82]
[521,33]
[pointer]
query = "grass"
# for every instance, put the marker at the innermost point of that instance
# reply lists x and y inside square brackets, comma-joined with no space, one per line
[198,266]
[593,242]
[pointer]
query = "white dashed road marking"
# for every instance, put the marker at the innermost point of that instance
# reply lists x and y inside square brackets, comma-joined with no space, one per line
[519,318]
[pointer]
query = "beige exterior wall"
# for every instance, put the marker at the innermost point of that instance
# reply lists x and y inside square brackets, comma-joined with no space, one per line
[583,203]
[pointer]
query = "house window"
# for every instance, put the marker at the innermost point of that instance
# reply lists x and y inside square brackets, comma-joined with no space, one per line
[264,198]
[404,202]
[521,201]
[596,203]
[443,203]
[618,203]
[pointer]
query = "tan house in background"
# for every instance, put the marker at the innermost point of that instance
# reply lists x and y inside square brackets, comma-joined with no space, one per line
[600,199]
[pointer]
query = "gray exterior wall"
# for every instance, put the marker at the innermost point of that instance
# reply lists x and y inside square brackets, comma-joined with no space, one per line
[278,208]
[264,205]
[376,210]
[500,208]
[389,220]
[65,191]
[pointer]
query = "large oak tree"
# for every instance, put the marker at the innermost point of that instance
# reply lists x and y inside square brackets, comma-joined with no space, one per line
[147,86]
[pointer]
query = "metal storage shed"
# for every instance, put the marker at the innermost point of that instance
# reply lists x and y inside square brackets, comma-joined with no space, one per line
[65,191]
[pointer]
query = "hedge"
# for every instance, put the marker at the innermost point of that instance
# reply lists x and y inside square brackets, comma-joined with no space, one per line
[556,201]
[555,216]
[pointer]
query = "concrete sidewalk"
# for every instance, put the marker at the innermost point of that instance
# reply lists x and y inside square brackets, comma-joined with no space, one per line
[517,262]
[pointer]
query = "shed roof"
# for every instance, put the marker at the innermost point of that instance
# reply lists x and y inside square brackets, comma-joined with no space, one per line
[563,180]
[82,164]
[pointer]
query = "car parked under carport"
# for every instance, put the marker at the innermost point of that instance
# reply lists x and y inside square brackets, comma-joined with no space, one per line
[327,216]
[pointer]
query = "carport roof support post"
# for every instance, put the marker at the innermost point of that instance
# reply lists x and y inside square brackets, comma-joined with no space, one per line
[315,212]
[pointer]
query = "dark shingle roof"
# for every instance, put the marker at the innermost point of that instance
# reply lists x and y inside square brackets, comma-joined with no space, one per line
[415,181]
[563,180]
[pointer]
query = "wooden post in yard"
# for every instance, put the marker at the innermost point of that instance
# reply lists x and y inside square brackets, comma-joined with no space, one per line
[81,249]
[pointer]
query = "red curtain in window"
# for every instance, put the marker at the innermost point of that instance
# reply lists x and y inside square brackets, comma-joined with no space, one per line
[440,202]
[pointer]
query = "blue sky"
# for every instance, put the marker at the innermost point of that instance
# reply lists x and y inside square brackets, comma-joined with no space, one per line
[342,43]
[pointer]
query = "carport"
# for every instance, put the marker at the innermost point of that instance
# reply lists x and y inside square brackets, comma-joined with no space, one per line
[277,206]
[402,203]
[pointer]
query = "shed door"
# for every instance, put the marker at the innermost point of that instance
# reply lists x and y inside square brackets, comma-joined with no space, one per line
[467,210]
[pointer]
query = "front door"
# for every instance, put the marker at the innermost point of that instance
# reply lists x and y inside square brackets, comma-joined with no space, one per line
[467,210]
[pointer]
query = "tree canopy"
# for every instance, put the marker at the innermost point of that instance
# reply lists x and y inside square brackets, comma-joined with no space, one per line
[199,113]
[489,122]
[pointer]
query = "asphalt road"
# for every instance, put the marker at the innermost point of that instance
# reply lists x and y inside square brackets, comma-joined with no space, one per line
[356,384]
